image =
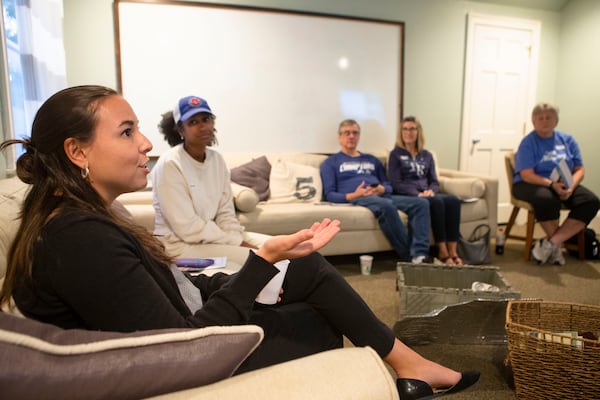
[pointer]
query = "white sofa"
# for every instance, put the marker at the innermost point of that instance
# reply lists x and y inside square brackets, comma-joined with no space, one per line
[39,360]
[360,231]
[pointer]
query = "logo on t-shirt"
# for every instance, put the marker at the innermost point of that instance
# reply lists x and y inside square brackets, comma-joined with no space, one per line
[555,155]
[417,168]
[359,167]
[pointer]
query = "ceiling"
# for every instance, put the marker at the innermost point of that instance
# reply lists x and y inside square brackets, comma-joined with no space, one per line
[548,5]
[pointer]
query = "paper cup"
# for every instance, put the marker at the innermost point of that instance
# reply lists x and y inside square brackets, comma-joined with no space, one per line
[366,263]
[270,292]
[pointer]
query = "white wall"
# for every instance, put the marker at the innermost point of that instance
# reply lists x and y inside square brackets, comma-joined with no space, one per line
[261,72]
[434,52]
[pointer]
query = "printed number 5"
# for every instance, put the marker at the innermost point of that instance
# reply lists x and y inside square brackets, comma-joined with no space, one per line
[305,191]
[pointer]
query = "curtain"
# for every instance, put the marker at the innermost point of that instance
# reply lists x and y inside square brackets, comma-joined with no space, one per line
[42,52]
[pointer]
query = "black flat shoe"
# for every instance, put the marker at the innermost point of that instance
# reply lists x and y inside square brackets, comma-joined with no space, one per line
[415,389]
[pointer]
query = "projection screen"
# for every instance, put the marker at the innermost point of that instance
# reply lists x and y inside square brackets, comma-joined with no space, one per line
[276,80]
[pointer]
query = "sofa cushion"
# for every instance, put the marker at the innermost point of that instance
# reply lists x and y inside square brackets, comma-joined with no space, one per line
[43,361]
[12,193]
[254,174]
[277,219]
[312,159]
[294,183]
[141,197]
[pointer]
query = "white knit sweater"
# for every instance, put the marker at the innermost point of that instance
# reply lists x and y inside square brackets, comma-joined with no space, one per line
[193,200]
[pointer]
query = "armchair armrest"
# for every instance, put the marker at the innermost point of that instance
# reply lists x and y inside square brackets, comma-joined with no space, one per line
[463,188]
[245,198]
[352,373]
[490,195]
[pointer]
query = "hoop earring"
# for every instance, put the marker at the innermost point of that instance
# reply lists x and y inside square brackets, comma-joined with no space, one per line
[85,172]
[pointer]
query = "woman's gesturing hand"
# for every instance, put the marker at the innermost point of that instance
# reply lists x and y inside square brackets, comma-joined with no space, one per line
[301,243]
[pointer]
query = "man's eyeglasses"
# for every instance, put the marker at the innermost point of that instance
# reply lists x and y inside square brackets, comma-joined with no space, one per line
[348,133]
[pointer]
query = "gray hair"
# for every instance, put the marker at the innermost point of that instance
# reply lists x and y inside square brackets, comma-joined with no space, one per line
[544,107]
[347,122]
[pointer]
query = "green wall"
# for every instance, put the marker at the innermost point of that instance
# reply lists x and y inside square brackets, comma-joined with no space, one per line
[578,89]
[435,40]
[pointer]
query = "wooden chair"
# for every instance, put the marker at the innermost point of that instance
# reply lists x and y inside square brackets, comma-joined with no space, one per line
[509,161]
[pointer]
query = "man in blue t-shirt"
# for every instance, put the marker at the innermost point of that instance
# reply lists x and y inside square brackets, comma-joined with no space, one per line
[360,179]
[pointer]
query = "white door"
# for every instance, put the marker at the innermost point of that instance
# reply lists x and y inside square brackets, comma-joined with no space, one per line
[499,93]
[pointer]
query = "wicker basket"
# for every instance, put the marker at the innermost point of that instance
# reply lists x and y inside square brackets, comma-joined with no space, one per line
[548,363]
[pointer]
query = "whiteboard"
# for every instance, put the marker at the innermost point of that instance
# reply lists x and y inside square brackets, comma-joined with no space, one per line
[276,80]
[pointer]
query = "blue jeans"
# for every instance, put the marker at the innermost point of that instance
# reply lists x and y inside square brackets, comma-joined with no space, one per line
[385,209]
[417,209]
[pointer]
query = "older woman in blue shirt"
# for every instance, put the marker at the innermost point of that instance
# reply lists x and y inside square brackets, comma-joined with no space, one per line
[537,157]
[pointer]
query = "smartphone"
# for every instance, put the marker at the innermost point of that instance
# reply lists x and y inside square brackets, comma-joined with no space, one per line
[373,184]
[197,263]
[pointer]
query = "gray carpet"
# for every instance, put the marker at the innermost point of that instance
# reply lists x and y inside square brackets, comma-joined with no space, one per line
[578,282]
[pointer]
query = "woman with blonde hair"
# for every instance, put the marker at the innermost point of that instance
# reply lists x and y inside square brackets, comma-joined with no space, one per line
[412,173]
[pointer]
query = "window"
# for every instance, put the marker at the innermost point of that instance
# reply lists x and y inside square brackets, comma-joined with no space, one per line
[34,62]
[15,71]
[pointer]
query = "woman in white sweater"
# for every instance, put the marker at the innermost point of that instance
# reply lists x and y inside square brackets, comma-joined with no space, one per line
[193,202]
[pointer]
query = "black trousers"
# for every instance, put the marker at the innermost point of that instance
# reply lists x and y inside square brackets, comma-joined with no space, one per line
[444,211]
[318,307]
[547,205]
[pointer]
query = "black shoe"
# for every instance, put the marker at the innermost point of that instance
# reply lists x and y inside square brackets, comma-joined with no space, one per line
[414,389]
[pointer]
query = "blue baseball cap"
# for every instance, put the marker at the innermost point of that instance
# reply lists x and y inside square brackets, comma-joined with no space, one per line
[188,107]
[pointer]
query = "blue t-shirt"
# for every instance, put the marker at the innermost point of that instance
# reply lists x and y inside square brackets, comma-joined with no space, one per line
[341,174]
[543,154]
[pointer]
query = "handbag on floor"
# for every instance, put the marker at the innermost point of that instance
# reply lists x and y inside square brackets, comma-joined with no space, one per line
[476,249]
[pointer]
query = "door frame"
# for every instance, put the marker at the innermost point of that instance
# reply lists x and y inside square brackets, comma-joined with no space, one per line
[473,20]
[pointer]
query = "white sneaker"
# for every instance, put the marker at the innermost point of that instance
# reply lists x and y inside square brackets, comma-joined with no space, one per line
[542,250]
[422,260]
[557,257]
[418,259]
